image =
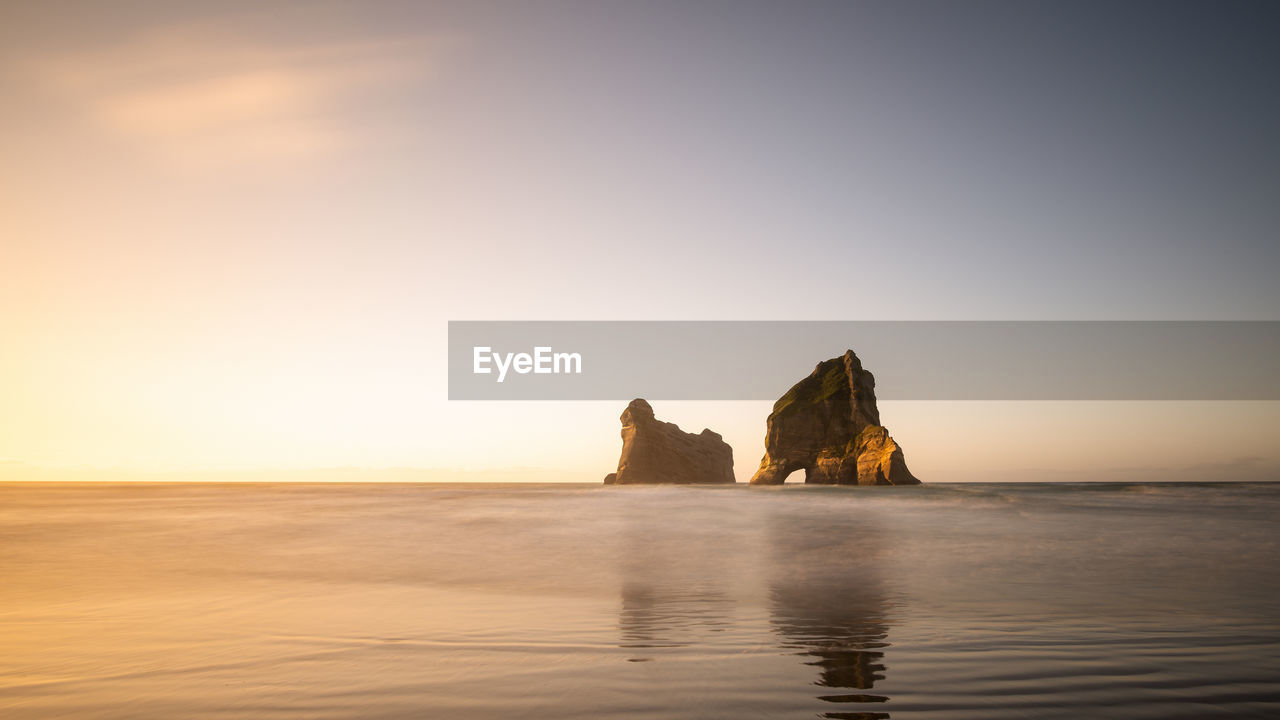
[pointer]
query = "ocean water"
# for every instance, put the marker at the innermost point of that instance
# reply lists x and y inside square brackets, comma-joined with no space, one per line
[571,601]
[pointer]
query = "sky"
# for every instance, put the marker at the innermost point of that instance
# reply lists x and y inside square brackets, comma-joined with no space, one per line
[232,234]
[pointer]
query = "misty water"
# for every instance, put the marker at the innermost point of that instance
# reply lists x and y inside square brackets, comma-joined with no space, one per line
[572,601]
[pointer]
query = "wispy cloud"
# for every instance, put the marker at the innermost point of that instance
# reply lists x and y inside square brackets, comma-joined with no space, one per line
[209,94]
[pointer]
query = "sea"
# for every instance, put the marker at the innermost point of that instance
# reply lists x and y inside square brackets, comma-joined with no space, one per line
[564,601]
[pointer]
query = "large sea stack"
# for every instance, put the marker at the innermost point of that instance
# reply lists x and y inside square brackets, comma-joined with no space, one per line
[829,426]
[660,452]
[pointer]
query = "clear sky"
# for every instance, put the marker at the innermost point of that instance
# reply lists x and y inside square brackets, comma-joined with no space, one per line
[231,234]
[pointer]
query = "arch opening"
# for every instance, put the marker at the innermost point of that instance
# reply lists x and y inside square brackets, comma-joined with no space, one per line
[796,477]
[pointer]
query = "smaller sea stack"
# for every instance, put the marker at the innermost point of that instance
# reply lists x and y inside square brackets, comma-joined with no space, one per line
[657,452]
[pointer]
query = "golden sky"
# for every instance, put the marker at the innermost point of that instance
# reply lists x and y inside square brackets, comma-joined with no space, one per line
[231,236]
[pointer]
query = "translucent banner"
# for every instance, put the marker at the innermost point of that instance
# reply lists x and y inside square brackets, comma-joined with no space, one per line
[912,360]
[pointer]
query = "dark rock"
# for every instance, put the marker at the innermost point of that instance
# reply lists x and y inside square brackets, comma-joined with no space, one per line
[829,426]
[660,452]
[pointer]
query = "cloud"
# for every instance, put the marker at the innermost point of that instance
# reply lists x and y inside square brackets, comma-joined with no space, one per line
[214,95]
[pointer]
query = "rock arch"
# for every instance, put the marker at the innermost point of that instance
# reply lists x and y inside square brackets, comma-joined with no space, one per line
[828,425]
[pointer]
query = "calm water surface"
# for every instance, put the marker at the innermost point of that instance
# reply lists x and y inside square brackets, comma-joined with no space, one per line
[568,601]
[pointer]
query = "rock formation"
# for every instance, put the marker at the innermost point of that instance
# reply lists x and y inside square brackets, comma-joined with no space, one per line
[660,452]
[828,424]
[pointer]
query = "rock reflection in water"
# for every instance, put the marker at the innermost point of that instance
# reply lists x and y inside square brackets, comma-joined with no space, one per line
[675,587]
[823,588]
[654,615]
[829,604]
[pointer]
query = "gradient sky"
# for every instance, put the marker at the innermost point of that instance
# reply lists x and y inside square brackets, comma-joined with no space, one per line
[232,233]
